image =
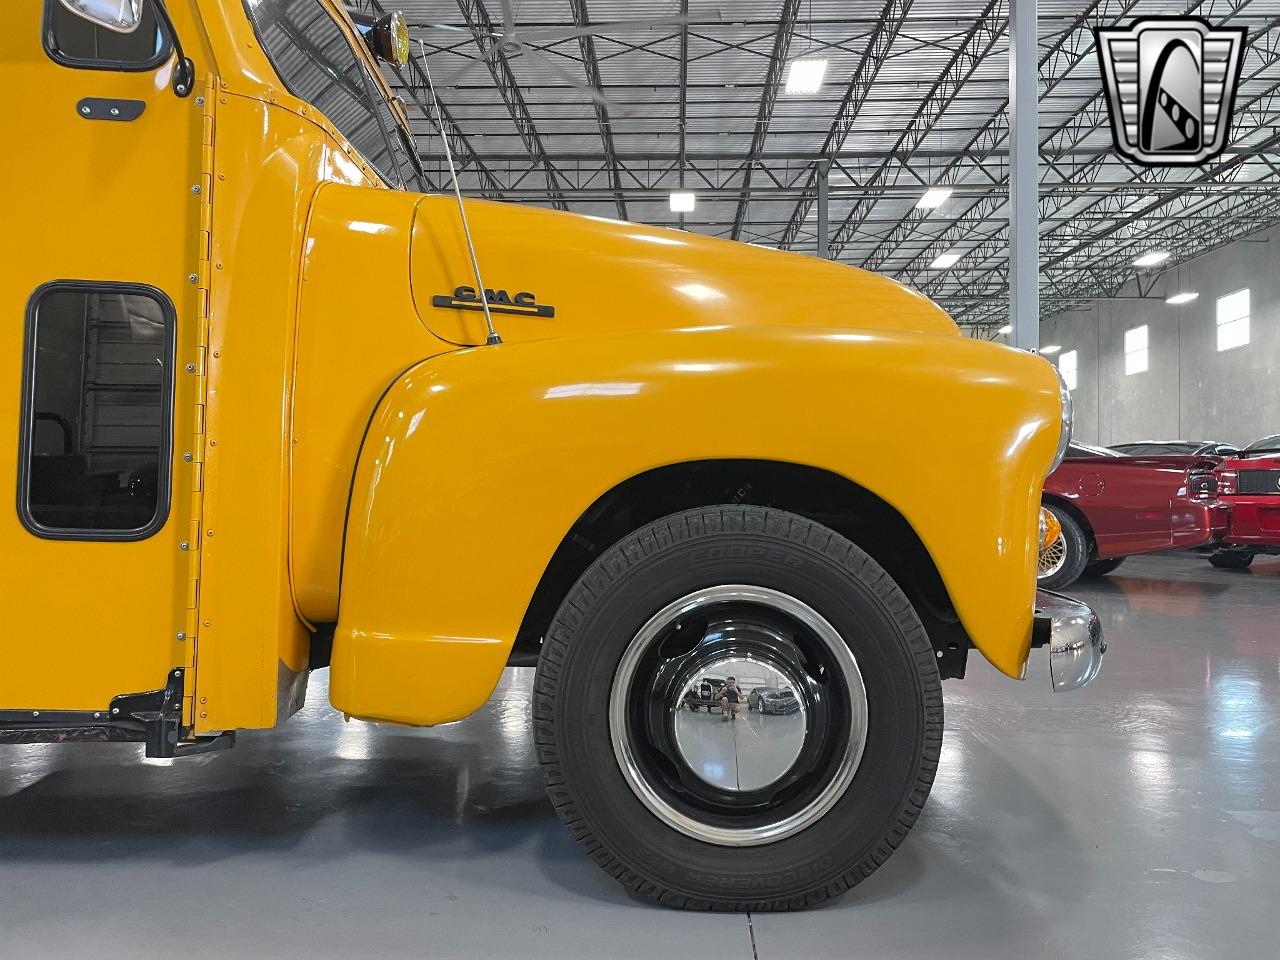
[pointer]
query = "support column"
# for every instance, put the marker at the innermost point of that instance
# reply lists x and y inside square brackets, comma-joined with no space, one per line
[824,237]
[1024,177]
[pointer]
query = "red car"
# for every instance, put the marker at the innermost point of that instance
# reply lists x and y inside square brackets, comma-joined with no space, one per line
[1111,506]
[1249,484]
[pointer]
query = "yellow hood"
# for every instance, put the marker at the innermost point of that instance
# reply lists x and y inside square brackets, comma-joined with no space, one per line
[555,274]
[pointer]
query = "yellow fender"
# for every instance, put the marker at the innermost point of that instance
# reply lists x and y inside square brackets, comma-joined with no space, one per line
[478,462]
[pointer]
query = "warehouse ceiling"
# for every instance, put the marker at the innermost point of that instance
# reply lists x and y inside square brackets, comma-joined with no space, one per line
[915,95]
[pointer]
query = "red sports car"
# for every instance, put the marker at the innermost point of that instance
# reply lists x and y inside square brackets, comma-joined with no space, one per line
[1112,506]
[1249,484]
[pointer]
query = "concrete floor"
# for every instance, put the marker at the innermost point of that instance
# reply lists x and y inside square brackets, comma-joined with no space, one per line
[1139,818]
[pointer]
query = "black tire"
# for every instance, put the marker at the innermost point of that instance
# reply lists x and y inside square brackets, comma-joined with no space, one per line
[1232,559]
[1076,545]
[1100,568]
[768,548]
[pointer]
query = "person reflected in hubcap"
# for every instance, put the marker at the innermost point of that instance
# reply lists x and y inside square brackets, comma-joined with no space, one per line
[730,700]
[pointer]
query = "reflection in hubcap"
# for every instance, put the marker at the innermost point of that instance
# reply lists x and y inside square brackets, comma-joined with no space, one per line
[765,770]
[756,741]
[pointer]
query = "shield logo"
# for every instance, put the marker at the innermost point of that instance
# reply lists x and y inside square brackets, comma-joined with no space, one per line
[1170,85]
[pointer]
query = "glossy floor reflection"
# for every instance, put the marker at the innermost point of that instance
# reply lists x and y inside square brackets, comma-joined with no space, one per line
[1139,818]
[746,753]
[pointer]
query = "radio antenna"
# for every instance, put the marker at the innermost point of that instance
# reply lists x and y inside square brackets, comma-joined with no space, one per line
[493,337]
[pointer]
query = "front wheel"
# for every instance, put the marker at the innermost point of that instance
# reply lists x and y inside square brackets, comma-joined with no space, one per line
[692,813]
[1062,561]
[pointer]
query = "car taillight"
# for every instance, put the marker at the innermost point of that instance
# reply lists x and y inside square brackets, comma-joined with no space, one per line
[1226,482]
[1202,485]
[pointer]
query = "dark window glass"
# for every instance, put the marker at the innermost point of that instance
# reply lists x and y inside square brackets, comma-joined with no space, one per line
[315,61]
[76,42]
[1157,449]
[1266,443]
[1083,451]
[97,410]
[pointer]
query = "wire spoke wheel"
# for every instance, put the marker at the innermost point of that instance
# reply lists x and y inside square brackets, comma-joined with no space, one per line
[1053,557]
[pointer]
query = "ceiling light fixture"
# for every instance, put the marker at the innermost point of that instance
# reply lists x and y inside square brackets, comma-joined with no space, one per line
[1152,258]
[933,198]
[944,260]
[683,201]
[805,75]
[1185,297]
[1051,348]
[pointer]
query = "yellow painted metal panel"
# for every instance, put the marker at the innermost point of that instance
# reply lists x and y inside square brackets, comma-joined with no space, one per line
[479,461]
[316,291]
[601,276]
[109,201]
[606,276]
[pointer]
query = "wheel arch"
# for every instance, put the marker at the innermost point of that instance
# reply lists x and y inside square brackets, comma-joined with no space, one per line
[817,494]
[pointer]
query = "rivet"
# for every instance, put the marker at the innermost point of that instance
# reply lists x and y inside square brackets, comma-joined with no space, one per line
[213,443]
[222,176]
[97,715]
[223,84]
[204,699]
[193,278]
[181,635]
[195,188]
[115,710]
[206,623]
[216,353]
[184,545]
[191,368]
[177,673]
[115,111]
[219,264]
[35,713]
[199,101]
[84,110]
[203,715]
[187,457]
[222,99]
[208,533]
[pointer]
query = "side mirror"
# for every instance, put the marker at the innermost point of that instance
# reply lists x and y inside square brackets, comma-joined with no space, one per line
[387,36]
[122,16]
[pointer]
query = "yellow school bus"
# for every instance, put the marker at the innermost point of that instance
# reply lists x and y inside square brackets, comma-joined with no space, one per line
[266,413]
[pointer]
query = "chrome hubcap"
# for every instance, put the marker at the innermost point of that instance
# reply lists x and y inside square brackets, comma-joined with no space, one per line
[747,772]
[759,752]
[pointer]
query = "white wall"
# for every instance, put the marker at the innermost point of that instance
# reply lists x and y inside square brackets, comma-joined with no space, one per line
[1189,390]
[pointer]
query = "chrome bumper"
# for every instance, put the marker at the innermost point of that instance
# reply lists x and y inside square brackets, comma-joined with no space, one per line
[1073,634]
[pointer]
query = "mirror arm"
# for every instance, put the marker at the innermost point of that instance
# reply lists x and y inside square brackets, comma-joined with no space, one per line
[184,72]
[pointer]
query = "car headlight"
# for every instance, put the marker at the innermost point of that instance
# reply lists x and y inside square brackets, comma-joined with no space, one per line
[1064,436]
